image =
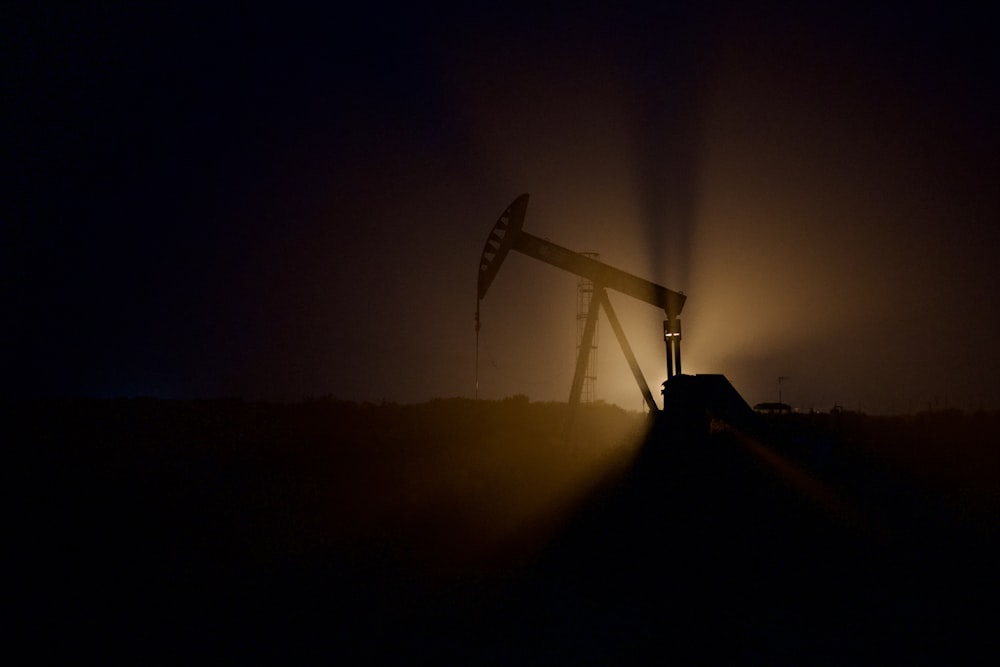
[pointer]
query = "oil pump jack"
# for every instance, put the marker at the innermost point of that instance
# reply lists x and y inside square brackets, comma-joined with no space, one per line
[507,234]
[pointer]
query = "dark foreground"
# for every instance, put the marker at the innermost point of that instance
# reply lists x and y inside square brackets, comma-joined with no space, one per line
[460,532]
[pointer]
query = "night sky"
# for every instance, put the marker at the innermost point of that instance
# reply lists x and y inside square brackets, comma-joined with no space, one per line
[278,204]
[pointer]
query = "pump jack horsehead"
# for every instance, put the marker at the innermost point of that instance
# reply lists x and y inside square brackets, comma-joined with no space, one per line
[507,235]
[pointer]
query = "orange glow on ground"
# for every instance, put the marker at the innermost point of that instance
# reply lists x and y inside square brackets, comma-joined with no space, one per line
[479,484]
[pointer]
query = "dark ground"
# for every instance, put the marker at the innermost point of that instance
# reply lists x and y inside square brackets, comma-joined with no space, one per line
[443,532]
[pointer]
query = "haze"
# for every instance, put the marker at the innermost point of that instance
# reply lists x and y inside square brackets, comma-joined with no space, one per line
[293,205]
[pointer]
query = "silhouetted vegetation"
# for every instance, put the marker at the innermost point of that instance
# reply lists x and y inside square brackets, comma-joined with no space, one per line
[179,509]
[951,454]
[455,528]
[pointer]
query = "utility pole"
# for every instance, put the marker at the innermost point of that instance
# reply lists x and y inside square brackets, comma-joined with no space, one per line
[781,378]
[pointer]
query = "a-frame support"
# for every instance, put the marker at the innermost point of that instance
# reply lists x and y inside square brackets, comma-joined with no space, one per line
[600,300]
[586,343]
[616,326]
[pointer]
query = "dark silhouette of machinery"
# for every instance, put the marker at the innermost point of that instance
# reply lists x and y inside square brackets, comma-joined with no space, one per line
[507,234]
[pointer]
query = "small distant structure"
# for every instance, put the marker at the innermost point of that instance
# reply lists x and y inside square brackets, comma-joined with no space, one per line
[771,408]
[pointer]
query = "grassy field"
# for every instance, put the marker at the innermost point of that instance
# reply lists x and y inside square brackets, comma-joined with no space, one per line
[474,530]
